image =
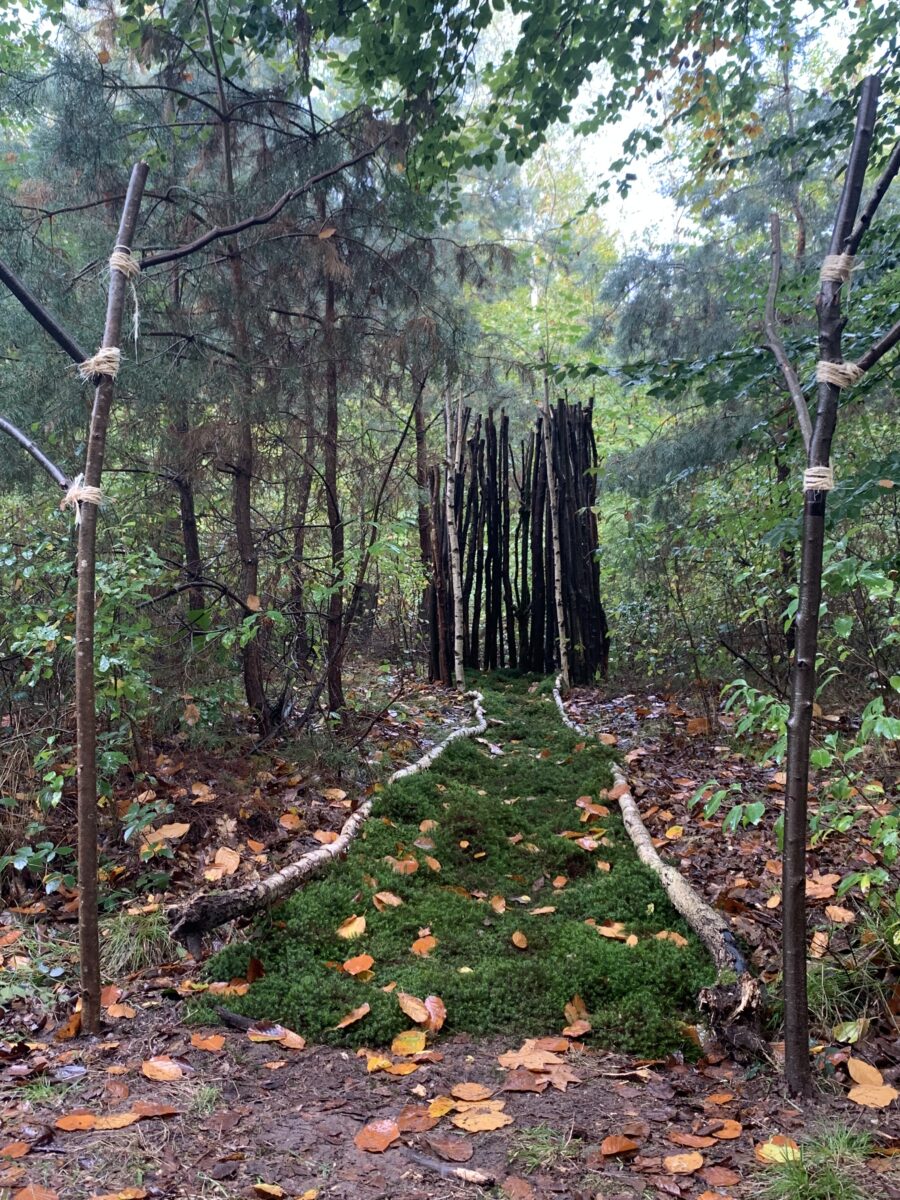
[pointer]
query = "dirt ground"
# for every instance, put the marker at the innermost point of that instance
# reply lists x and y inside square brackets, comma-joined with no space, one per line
[244,1118]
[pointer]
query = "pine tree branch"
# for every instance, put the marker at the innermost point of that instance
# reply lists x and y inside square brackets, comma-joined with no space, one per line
[263,218]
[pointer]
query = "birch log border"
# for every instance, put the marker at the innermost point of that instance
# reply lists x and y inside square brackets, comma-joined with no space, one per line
[207,911]
[710,927]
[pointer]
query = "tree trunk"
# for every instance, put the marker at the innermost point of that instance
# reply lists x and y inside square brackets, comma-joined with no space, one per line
[453,470]
[828,306]
[553,497]
[85,705]
[334,624]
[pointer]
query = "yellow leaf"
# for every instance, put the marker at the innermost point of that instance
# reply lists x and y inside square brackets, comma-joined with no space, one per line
[863,1072]
[410,1042]
[674,831]
[480,1119]
[353,927]
[778,1149]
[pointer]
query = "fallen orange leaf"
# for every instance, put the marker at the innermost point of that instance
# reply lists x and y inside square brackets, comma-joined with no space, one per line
[212,1042]
[356,1015]
[162,1068]
[377,1136]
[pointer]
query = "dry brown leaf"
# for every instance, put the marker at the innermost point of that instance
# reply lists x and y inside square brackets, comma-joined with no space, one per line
[437,1013]
[15,1150]
[117,1120]
[728,1130]
[34,1191]
[873,1096]
[413,1007]
[229,860]
[162,1068]
[577,1029]
[481,1118]
[693,1141]
[821,887]
[383,900]
[212,1042]
[523,1080]
[377,1136]
[326,837]
[616,1146]
[683,1164]
[356,1015]
[76,1121]
[165,833]
[471,1091]
[362,962]
[69,1029]
[424,945]
[145,1108]
[124,1011]
[290,821]
[863,1072]
[519,940]
[415,1118]
[841,916]
[452,1149]
[407,865]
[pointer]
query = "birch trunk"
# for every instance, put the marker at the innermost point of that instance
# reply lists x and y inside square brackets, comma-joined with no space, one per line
[454,454]
[553,498]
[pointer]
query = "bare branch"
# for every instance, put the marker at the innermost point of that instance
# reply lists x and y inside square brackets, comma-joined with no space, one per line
[45,319]
[874,353]
[263,218]
[868,213]
[58,476]
[776,345]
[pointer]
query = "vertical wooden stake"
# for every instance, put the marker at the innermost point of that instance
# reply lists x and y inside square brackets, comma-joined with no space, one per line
[85,704]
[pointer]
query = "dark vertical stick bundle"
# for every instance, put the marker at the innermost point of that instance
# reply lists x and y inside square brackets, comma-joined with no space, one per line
[510,615]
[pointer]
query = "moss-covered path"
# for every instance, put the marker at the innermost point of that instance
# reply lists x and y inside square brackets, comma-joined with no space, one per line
[499,881]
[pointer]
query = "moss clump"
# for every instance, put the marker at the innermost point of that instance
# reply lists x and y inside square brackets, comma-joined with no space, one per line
[497,833]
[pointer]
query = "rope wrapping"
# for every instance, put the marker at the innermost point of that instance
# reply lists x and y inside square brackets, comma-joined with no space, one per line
[818,479]
[106,361]
[836,268]
[80,493]
[841,374]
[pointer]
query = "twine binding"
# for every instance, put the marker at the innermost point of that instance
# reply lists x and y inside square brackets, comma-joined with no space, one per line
[80,493]
[818,479]
[841,374]
[105,362]
[836,268]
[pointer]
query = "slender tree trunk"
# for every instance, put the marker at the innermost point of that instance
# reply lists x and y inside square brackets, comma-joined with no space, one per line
[828,305]
[454,454]
[85,700]
[243,465]
[553,497]
[302,648]
[334,624]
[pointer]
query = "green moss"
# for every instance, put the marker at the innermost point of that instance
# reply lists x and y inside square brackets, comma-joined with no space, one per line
[499,820]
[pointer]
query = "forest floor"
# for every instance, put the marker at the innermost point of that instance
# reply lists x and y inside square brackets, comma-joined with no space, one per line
[162,1108]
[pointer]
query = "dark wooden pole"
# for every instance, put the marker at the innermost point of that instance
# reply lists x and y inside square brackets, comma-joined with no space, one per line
[85,703]
[798,1075]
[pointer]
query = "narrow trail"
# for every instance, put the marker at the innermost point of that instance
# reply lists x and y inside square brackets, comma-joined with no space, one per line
[498,881]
